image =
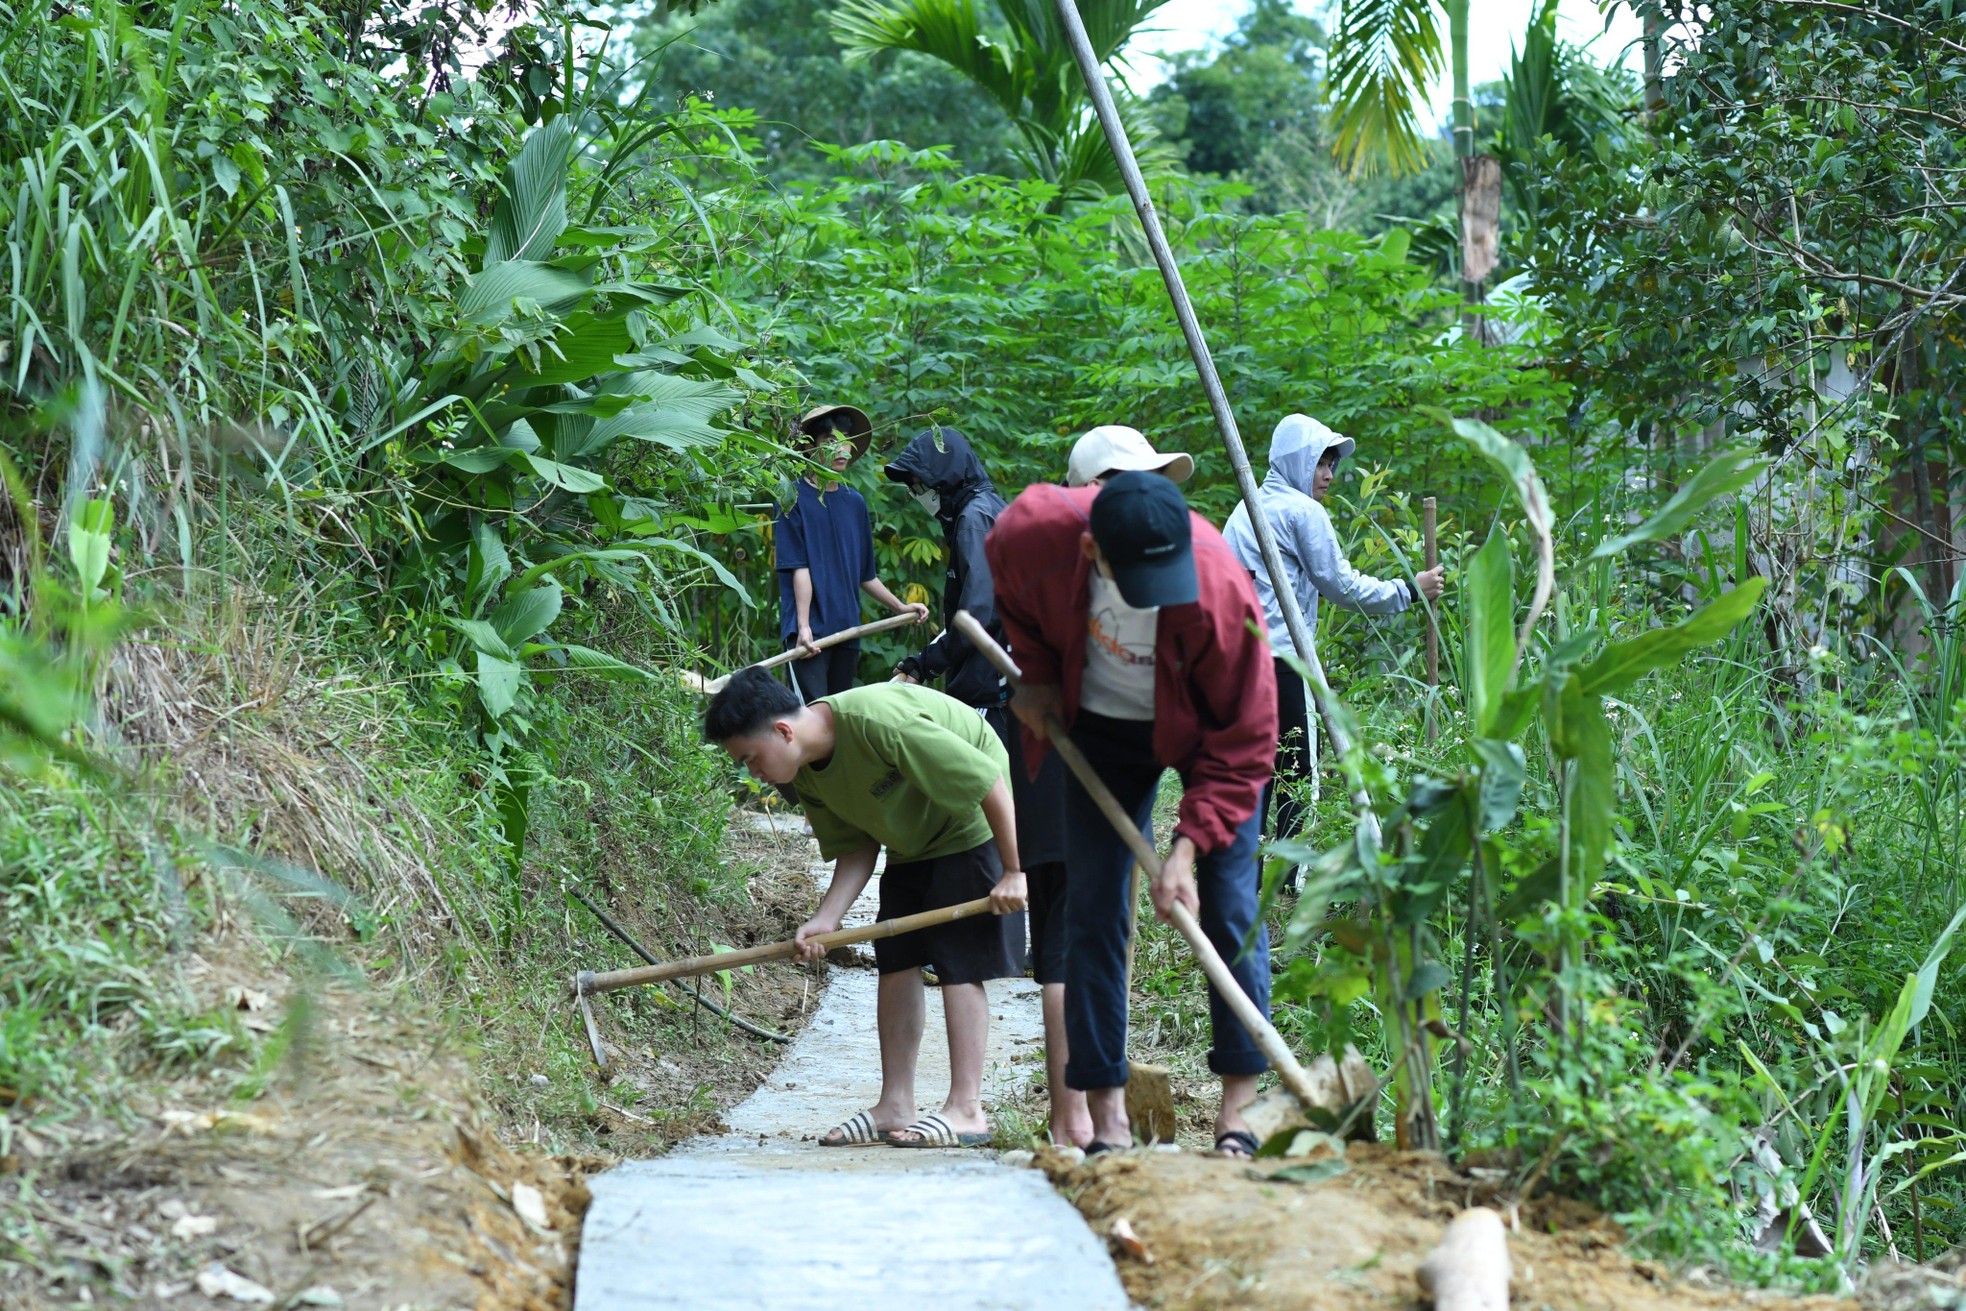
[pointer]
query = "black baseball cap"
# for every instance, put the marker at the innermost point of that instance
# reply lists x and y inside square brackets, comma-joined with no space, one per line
[1141,525]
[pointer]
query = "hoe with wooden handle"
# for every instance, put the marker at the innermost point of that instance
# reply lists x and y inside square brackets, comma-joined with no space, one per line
[711,686]
[589,983]
[1289,1072]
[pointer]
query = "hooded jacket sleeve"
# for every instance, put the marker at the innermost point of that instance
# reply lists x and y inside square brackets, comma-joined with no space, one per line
[1235,682]
[1332,574]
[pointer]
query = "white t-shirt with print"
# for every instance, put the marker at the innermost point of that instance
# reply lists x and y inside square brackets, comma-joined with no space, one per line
[1119,654]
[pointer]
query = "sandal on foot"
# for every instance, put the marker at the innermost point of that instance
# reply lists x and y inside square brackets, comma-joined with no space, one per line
[934,1131]
[1096,1148]
[856,1132]
[1236,1144]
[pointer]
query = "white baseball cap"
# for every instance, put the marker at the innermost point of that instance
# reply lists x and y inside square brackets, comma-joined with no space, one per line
[1115,448]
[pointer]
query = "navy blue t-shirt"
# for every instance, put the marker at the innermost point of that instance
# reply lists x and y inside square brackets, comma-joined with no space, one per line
[832,536]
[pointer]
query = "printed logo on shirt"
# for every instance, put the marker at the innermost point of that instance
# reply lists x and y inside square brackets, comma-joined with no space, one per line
[1102,629]
[886,785]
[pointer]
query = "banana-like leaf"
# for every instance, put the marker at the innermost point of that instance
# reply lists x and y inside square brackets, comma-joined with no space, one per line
[950,31]
[484,637]
[1729,471]
[528,614]
[489,297]
[1503,772]
[1490,641]
[601,663]
[487,566]
[498,683]
[1384,56]
[1514,464]
[1624,663]
[670,411]
[89,535]
[716,566]
[1583,736]
[531,215]
[584,346]
[580,481]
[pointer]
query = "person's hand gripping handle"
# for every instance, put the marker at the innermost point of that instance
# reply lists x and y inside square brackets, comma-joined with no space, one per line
[1267,1038]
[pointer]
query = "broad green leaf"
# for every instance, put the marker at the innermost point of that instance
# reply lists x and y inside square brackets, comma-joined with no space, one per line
[498,683]
[1727,472]
[608,555]
[1490,642]
[583,347]
[476,459]
[89,536]
[580,481]
[1503,770]
[483,637]
[489,297]
[528,614]
[1429,976]
[531,215]
[1624,663]
[487,567]
[600,662]
[1513,462]
[1588,799]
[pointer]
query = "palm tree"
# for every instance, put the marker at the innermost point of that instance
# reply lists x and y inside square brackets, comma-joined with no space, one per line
[1025,66]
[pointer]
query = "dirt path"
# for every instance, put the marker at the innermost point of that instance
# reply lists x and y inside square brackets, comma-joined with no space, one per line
[763,1217]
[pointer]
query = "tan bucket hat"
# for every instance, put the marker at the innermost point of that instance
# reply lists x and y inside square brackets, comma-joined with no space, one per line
[853,420]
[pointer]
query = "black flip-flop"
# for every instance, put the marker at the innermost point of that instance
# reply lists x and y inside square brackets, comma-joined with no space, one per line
[1095,1147]
[1236,1145]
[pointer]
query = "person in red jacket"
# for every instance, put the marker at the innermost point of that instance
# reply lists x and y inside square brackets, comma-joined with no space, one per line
[1136,626]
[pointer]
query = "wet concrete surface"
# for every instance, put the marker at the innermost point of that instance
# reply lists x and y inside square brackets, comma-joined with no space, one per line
[763,1217]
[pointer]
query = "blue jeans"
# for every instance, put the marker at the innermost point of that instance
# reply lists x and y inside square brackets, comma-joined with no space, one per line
[1097,863]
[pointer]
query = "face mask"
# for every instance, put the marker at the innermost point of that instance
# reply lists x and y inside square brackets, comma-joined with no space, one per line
[928,498]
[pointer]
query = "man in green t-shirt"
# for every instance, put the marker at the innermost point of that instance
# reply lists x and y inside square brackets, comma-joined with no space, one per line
[903,767]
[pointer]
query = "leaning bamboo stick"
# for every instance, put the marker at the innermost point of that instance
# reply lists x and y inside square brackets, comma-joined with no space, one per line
[712,686]
[1289,1072]
[589,982]
[1428,523]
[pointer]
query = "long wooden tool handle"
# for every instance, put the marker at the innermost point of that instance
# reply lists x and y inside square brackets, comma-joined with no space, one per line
[1289,1072]
[1428,512]
[791,653]
[588,982]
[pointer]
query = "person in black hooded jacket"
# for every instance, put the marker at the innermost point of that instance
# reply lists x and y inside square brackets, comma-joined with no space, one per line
[943,474]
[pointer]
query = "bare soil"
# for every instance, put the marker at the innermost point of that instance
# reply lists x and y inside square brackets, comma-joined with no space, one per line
[1225,1234]
[381,1166]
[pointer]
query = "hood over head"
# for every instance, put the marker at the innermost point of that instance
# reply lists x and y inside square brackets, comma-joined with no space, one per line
[941,459]
[1297,445]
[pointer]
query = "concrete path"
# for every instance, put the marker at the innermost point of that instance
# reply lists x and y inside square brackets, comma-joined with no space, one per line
[763,1217]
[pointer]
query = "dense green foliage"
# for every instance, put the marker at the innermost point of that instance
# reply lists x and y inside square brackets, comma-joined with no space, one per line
[468,387]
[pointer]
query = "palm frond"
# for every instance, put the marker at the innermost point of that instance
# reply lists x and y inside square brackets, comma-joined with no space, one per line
[1383,57]
[947,30]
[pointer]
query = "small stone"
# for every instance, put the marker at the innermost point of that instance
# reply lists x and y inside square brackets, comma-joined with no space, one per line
[530,1205]
[540,1081]
[216,1281]
[1018,1159]
[319,1295]
[194,1226]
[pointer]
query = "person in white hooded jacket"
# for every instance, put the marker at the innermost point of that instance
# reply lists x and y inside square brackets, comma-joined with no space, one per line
[1304,456]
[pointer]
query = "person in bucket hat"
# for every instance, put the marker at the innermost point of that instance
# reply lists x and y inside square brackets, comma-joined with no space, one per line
[824,540]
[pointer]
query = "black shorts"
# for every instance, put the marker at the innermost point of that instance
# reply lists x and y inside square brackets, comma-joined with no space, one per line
[970,950]
[1047,884]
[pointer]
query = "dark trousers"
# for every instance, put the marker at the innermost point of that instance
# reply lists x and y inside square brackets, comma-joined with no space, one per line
[830,671]
[1291,778]
[1121,752]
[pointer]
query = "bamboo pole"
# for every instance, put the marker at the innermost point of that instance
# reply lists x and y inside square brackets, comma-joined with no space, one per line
[589,982]
[1282,1060]
[1428,525]
[1218,403]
